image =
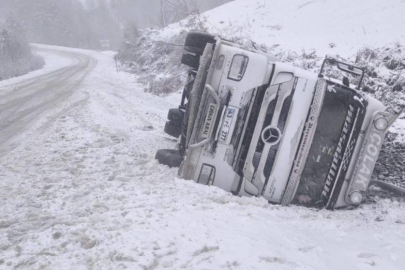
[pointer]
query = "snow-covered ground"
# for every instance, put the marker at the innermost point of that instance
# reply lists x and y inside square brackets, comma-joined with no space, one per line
[85,192]
[80,189]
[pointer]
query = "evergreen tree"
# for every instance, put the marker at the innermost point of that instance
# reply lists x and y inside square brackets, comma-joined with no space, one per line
[16,57]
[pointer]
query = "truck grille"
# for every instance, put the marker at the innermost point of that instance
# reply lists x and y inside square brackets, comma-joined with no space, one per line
[282,120]
[270,161]
[271,157]
[285,111]
[254,115]
[267,122]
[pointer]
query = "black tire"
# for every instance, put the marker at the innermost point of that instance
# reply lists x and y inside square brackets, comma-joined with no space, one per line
[191,60]
[172,129]
[196,42]
[176,116]
[169,157]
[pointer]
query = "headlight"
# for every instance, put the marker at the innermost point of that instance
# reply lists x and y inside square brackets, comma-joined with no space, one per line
[356,197]
[207,175]
[381,124]
[238,67]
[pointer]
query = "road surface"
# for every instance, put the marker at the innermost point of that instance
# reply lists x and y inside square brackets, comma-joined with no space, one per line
[24,102]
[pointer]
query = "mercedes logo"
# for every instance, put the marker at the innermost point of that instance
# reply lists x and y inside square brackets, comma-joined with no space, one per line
[271,135]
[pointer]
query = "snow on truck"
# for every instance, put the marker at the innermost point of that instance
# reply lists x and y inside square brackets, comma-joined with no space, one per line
[255,126]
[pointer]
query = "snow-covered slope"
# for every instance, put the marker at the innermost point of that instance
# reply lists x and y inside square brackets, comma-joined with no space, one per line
[329,26]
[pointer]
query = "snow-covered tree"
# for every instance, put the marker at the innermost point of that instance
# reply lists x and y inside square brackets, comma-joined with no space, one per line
[175,10]
[131,31]
[16,57]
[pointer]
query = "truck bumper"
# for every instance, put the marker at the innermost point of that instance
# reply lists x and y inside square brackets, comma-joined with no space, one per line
[368,156]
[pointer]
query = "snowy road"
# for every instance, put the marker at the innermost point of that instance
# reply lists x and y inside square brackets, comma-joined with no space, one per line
[23,102]
[80,189]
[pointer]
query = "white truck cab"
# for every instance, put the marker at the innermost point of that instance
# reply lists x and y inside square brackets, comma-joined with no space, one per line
[255,126]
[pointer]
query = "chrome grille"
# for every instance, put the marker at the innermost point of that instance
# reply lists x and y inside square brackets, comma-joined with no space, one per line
[267,122]
[281,125]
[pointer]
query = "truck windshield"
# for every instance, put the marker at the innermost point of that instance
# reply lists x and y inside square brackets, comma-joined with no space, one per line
[330,129]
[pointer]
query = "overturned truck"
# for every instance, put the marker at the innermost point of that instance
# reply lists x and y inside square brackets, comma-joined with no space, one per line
[255,126]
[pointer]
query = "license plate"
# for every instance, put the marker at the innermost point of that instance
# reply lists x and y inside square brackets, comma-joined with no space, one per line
[209,119]
[226,126]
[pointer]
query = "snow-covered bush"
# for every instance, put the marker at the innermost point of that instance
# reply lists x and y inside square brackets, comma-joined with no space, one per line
[155,58]
[385,68]
[155,61]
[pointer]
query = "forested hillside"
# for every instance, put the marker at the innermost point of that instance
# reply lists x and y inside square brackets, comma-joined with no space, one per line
[89,24]
[97,24]
[67,23]
[16,57]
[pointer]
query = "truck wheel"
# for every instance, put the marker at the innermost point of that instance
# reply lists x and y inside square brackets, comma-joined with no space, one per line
[172,129]
[196,42]
[190,60]
[169,157]
[176,116]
